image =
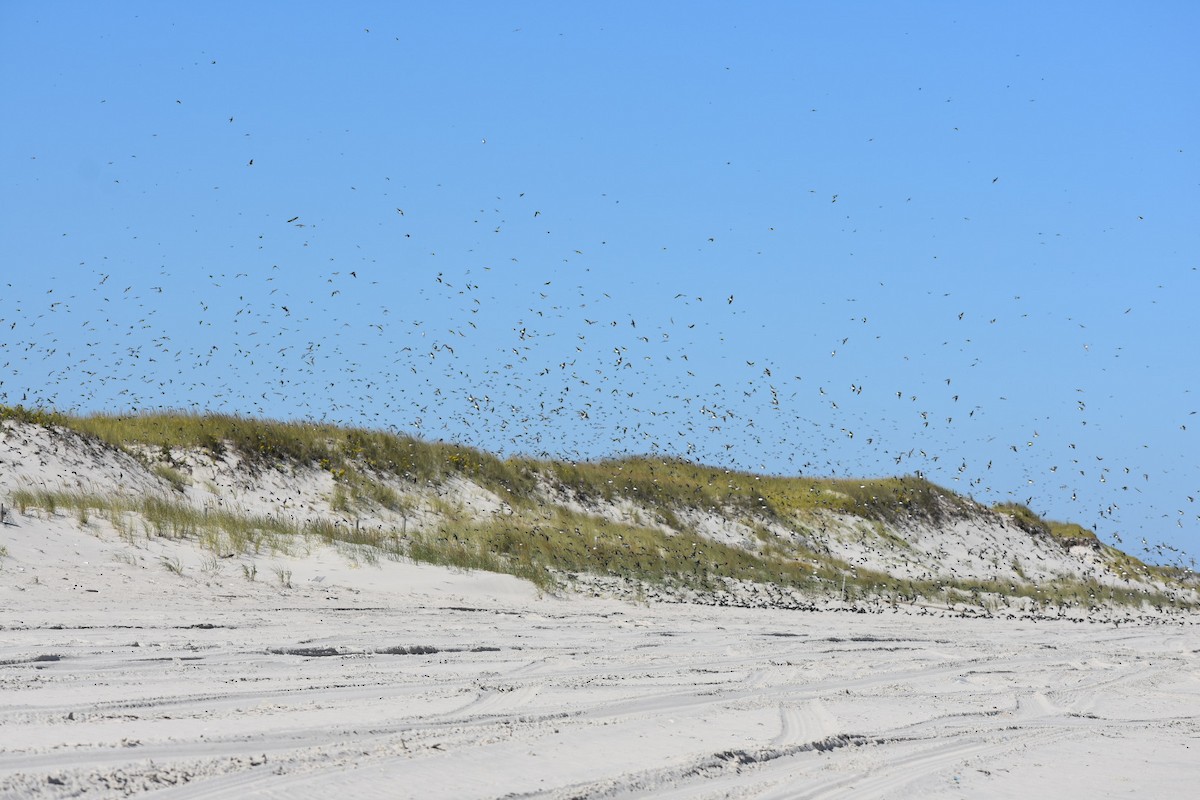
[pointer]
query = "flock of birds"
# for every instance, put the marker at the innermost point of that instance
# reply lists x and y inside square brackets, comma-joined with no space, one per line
[572,375]
[540,353]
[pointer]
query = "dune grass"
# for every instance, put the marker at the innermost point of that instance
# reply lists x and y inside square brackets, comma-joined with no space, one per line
[554,540]
[268,443]
[663,485]
[666,485]
[215,529]
[551,546]
[352,490]
[536,538]
[1067,533]
[177,479]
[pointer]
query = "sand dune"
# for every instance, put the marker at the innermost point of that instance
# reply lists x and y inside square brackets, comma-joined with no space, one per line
[135,663]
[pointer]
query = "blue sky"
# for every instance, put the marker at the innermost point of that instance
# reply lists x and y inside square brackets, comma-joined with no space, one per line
[819,238]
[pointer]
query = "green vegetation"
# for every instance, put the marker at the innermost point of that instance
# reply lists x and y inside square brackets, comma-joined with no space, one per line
[1068,534]
[541,540]
[1132,568]
[177,479]
[551,545]
[662,485]
[1023,517]
[269,443]
[542,543]
[668,484]
[217,530]
[354,490]
[34,416]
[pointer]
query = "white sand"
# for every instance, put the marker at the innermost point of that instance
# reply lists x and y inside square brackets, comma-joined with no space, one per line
[110,689]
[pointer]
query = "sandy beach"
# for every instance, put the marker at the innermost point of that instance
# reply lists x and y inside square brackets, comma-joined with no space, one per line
[400,680]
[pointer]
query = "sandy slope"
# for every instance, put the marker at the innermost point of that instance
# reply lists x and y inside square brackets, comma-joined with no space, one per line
[970,542]
[120,677]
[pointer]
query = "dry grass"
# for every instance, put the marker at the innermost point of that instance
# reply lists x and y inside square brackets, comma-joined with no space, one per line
[538,539]
[219,531]
[666,485]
